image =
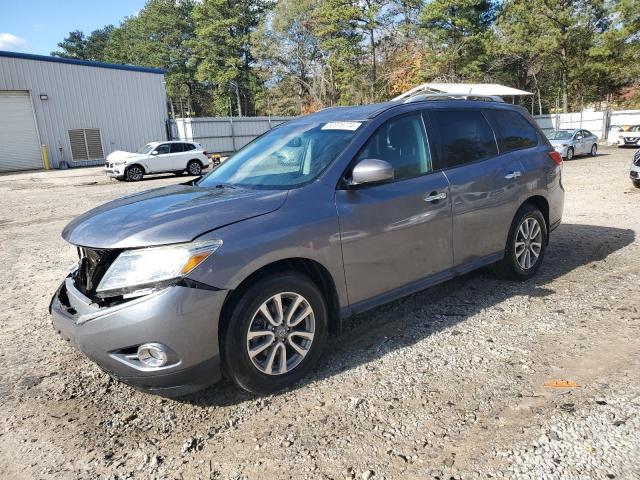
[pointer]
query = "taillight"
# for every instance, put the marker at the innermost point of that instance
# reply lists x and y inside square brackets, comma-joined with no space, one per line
[206,154]
[556,157]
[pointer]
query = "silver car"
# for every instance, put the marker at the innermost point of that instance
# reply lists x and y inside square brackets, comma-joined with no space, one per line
[248,269]
[570,143]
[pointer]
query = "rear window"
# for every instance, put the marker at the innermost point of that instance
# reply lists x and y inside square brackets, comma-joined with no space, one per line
[177,147]
[464,136]
[513,132]
[189,146]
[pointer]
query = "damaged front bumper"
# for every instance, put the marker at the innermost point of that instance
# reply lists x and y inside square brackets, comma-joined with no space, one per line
[181,318]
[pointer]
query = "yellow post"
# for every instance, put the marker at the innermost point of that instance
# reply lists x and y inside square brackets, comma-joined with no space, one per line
[45,157]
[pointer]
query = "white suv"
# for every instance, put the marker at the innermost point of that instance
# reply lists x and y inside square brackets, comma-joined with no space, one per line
[157,157]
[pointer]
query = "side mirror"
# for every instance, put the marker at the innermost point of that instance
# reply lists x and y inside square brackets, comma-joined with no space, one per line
[155,152]
[371,170]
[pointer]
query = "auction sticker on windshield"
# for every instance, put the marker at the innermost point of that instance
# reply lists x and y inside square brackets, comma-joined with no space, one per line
[352,126]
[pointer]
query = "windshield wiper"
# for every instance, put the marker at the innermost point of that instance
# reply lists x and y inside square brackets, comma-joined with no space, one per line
[225,185]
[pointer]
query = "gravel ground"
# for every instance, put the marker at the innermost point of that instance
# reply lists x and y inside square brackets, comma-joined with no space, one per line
[447,383]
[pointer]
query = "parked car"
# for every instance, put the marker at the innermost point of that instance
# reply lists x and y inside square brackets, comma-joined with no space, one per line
[635,169]
[570,143]
[157,157]
[249,268]
[630,138]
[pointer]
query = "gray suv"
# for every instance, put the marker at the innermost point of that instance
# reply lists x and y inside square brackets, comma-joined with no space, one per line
[246,271]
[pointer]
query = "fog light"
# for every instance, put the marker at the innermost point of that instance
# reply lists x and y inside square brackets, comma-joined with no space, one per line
[153,354]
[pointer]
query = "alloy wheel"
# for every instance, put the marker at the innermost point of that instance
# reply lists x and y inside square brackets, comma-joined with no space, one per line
[281,333]
[195,168]
[135,173]
[528,243]
[570,154]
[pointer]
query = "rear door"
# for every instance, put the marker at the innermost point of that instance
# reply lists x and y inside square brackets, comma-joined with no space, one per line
[176,159]
[396,233]
[485,186]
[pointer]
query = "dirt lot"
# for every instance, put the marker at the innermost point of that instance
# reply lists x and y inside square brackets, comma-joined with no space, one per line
[447,383]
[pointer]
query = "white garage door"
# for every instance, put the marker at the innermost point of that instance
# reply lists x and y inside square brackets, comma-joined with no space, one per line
[19,143]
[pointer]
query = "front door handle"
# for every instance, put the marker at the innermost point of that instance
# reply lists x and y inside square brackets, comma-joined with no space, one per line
[434,197]
[512,175]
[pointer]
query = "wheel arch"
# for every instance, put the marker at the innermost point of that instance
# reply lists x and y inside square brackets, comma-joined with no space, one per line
[542,204]
[312,269]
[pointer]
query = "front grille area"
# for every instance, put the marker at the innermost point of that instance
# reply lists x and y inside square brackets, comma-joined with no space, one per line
[631,139]
[93,265]
[636,158]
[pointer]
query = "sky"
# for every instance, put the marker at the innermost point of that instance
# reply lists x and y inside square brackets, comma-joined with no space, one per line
[36,26]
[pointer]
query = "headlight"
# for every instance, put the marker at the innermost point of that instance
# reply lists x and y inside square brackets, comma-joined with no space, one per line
[147,267]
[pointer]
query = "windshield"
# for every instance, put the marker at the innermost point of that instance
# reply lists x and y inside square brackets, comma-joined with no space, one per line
[560,135]
[287,156]
[146,149]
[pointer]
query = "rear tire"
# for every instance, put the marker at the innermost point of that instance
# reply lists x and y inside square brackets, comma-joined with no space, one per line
[256,364]
[134,173]
[570,153]
[526,245]
[594,150]
[636,183]
[194,167]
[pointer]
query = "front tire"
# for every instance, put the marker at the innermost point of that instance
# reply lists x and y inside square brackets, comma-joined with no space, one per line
[134,173]
[636,183]
[526,245]
[570,153]
[275,334]
[194,167]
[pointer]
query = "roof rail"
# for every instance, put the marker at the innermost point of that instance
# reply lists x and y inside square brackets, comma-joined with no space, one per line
[421,97]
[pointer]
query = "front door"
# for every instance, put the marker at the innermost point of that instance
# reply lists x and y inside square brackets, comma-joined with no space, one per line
[160,161]
[399,232]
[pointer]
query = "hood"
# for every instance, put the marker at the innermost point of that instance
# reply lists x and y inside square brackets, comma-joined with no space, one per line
[173,214]
[121,155]
[629,134]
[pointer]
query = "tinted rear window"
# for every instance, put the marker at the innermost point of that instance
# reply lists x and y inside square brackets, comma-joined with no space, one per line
[513,132]
[177,147]
[189,146]
[464,136]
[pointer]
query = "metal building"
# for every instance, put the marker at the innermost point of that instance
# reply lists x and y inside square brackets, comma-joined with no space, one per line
[80,111]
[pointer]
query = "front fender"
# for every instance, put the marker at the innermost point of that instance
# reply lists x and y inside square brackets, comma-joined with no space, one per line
[305,227]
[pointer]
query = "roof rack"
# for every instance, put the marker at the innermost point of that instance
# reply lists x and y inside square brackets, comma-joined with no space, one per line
[421,97]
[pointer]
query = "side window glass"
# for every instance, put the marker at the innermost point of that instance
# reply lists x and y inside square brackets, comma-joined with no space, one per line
[464,136]
[401,142]
[162,149]
[177,147]
[189,146]
[513,131]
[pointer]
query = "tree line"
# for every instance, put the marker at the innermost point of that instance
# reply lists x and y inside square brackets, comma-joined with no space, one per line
[287,57]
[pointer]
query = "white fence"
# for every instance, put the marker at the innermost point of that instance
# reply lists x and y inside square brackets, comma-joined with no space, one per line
[600,123]
[223,134]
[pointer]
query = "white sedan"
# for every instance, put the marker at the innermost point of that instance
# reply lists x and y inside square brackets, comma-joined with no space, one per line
[157,157]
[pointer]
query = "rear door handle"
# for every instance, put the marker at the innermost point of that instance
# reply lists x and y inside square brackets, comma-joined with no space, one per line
[434,197]
[512,175]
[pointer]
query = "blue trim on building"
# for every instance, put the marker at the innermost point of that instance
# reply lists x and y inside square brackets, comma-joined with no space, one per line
[72,61]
